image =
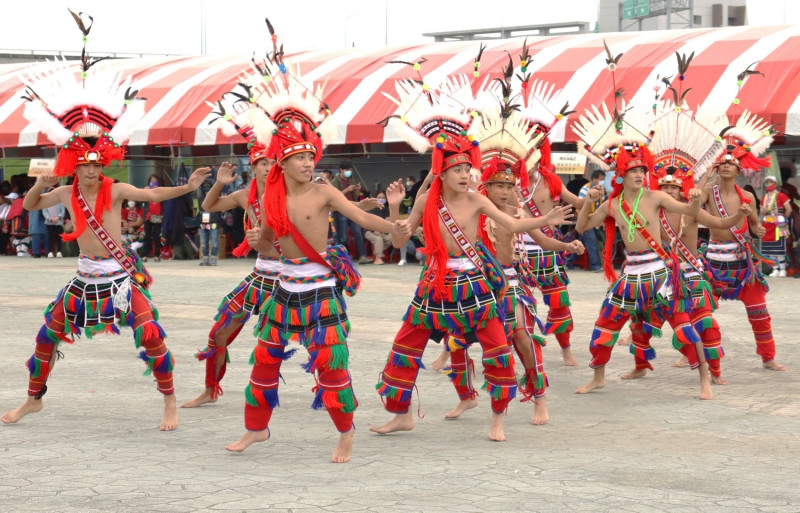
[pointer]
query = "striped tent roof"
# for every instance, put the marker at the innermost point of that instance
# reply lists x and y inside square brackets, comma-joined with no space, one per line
[176,88]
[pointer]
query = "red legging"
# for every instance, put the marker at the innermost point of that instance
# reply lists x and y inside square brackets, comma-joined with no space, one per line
[680,322]
[559,318]
[152,340]
[411,340]
[264,379]
[754,298]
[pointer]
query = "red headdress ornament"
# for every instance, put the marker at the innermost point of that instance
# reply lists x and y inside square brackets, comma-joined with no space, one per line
[615,140]
[292,119]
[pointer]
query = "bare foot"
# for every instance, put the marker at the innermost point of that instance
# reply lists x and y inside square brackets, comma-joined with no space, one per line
[626,341]
[400,422]
[718,380]
[343,449]
[203,398]
[31,405]
[496,428]
[441,360]
[540,415]
[598,381]
[681,362]
[635,373]
[170,419]
[773,365]
[705,384]
[569,360]
[461,407]
[250,437]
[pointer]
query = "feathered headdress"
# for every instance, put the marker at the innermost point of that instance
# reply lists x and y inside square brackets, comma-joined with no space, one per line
[295,120]
[685,145]
[617,140]
[544,107]
[747,140]
[440,119]
[745,143]
[505,139]
[237,112]
[89,117]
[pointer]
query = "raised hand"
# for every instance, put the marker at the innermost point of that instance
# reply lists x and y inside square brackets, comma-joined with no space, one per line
[369,204]
[558,215]
[695,194]
[47,180]
[198,177]
[395,193]
[226,174]
[594,193]
[745,209]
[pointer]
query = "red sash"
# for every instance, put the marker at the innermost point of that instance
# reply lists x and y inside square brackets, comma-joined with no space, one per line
[678,243]
[646,235]
[461,239]
[122,256]
[304,246]
[738,233]
[536,213]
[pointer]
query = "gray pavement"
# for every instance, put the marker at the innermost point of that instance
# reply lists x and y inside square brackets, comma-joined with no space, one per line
[647,445]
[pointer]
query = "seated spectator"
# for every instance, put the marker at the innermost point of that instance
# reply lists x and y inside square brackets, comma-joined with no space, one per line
[379,241]
[132,224]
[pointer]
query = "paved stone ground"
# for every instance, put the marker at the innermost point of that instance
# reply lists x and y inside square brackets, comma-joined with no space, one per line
[647,445]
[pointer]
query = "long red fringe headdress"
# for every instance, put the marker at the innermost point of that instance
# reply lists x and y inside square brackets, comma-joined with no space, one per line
[88,119]
[295,120]
[439,119]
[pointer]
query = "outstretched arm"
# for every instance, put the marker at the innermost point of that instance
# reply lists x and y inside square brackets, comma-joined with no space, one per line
[213,202]
[35,200]
[588,221]
[549,244]
[163,193]
[723,223]
[690,209]
[555,217]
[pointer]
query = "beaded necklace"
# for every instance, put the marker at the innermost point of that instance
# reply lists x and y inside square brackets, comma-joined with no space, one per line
[631,221]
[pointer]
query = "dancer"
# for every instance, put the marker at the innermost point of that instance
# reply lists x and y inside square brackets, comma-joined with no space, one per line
[505,143]
[236,117]
[684,145]
[90,120]
[542,107]
[306,305]
[250,294]
[731,255]
[461,280]
[649,290]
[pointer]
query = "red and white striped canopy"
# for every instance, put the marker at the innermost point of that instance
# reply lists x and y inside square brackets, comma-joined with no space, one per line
[176,88]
